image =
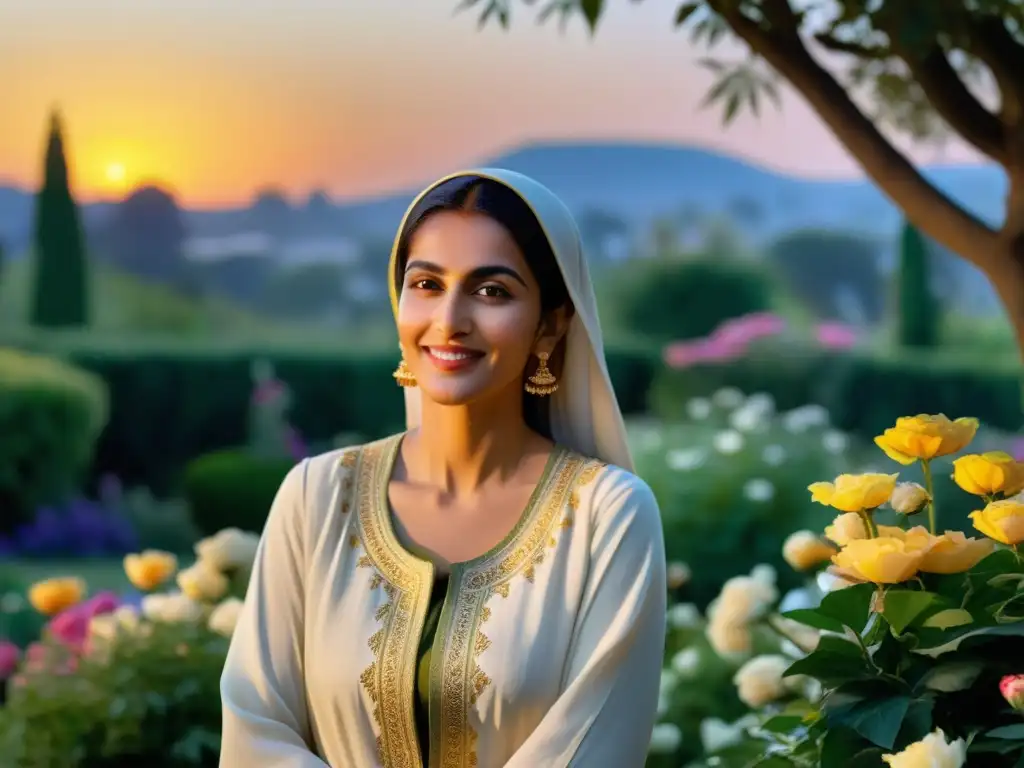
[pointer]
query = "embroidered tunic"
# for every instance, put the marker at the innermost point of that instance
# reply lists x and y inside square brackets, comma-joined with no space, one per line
[547,650]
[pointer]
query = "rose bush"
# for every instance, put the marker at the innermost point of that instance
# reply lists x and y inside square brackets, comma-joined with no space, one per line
[116,684]
[913,654]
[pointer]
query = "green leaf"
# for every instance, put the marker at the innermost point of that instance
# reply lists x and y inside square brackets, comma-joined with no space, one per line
[877,720]
[685,11]
[918,722]
[902,606]
[953,677]
[813,618]
[844,748]
[592,12]
[781,723]
[851,606]
[952,644]
[834,661]
[1008,732]
[949,618]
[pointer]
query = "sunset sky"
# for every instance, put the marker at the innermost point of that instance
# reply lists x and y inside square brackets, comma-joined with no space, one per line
[216,98]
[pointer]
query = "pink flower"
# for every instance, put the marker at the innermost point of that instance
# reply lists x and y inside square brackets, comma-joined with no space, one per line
[10,655]
[1012,688]
[835,335]
[747,328]
[71,626]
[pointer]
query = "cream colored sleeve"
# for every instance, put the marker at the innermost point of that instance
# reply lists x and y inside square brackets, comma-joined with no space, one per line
[607,709]
[265,719]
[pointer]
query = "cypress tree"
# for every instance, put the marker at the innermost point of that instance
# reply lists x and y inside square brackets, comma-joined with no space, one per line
[60,292]
[919,314]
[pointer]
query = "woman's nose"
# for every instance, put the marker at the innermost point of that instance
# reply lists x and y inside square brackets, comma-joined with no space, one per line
[453,315]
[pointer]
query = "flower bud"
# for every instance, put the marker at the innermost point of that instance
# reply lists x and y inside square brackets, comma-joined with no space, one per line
[909,498]
[1012,688]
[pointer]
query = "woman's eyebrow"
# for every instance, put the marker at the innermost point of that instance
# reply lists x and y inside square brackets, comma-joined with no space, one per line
[479,273]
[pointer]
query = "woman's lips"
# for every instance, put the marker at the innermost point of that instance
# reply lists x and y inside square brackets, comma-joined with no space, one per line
[450,359]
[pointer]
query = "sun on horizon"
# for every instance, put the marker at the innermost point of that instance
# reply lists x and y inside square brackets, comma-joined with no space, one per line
[116,173]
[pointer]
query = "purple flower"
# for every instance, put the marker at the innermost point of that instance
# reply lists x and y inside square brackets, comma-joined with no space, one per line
[79,528]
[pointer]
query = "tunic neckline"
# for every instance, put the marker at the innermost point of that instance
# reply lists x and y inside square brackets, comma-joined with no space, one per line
[387,515]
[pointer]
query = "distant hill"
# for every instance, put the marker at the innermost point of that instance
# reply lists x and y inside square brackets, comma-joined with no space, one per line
[636,182]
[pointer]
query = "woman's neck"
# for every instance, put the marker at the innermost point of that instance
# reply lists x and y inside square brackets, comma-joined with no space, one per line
[457,449]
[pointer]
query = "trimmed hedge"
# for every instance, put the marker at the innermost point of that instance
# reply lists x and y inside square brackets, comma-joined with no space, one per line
[51,414]
[169,406]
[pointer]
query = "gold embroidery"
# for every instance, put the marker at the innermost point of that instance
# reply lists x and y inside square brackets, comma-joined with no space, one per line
[390,678]
[353,541]
[462,679]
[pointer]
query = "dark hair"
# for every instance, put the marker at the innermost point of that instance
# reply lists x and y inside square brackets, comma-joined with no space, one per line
[477,194]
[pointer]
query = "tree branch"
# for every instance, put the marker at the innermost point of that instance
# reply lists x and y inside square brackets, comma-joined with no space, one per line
[925,206]
[992,43]
[954,102]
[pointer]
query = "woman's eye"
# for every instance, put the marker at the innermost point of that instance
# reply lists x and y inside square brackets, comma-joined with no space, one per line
[494,292]
[425,284]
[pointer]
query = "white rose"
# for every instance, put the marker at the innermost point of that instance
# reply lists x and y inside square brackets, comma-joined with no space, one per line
[202,581]
[224,617]
[729,640]
[716,734]
[760,681]
[665,738]
[171,607]
[727,397]
[933,751]
[728,442]
[228,549]
[684,616]
[686,662]
[698,408]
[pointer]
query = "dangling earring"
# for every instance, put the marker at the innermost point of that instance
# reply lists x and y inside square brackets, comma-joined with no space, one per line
[543,382]
[403,375]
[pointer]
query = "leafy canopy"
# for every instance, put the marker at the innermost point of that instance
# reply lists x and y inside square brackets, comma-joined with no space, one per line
[923,66]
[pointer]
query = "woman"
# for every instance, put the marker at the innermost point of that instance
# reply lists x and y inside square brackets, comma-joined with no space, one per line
[488,588]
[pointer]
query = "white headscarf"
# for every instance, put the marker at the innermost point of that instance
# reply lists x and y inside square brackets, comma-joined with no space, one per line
[584,412]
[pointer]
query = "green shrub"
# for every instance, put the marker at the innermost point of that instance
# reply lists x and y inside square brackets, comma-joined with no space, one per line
[51,414]
[865,392]
[919,318]
[670,299]
[152,701]
[173,402]
[731,482]
[233,489]
[19,621]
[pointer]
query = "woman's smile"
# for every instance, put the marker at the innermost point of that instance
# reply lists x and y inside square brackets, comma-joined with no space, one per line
[450,359]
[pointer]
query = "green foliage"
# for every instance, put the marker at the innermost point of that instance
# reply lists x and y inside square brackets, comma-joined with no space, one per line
[233,489]
[164,524]
[917,60]
[61,289]
[19,621]
[647,294]
[864,392]
[919,316]
[154,700]
[51,415]
[731,482]
[819,265]
[171,402]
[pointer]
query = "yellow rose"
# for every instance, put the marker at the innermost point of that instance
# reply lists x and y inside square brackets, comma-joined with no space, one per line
[52,596]
[1002,521]
[803,550]
[908,498]
[882,560]
[955,553]
[925,437]
[932,751]
[203,582]
[854,493]
[150,569]
[988,473]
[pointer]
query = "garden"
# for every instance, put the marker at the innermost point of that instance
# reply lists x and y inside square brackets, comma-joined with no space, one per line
[845,577]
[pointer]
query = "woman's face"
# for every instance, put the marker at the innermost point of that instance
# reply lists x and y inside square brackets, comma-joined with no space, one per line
[469,315]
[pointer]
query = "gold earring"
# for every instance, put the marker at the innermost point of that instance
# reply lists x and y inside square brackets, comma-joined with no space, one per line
[543,382]
[403,375]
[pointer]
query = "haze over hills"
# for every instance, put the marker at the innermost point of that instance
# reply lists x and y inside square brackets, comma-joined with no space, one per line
[635,182]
